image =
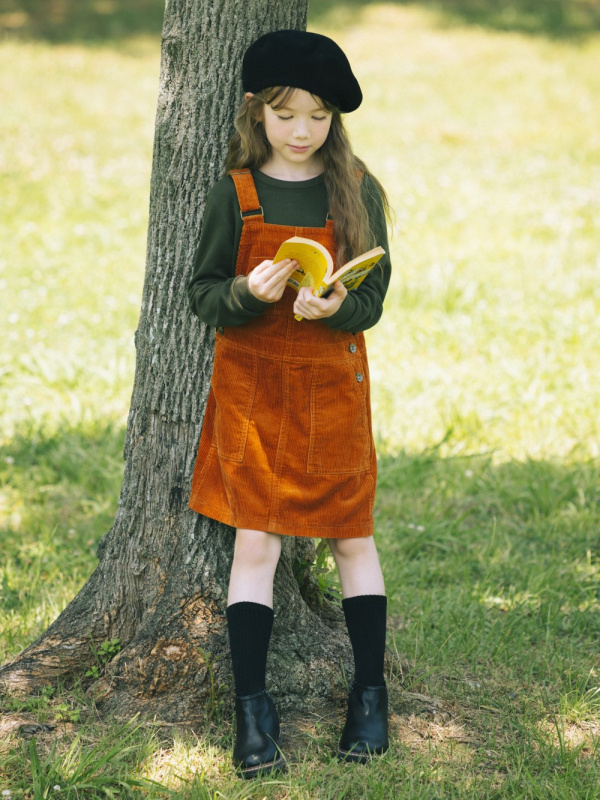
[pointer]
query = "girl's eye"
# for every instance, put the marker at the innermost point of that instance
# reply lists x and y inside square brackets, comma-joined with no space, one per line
[280,117]
[319,119]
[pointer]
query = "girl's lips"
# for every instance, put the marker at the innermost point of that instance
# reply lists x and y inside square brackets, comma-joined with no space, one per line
[298,149]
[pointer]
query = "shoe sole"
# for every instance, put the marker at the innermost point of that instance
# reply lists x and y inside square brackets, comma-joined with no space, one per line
[261,769]
[360,758]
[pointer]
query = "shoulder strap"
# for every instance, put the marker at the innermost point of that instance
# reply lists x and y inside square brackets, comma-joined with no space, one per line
[246,191]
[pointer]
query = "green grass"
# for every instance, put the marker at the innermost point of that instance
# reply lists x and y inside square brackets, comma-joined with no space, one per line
[485,395]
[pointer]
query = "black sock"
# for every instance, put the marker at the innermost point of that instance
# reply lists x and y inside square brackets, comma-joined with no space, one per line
[365,617]
[250,626]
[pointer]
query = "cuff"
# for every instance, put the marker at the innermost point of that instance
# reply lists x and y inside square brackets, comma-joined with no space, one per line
[244,297]
[340,321]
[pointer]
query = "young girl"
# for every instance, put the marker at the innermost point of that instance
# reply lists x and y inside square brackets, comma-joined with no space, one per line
[286,446]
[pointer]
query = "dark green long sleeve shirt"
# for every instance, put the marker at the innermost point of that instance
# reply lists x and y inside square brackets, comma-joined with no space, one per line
[219,298]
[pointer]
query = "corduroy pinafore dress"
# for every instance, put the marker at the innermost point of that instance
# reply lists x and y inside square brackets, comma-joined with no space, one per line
[287,444]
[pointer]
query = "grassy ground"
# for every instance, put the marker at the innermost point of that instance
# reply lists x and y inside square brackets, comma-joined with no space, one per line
[485,398]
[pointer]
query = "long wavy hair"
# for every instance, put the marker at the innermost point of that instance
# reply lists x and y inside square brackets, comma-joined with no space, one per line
[249,148]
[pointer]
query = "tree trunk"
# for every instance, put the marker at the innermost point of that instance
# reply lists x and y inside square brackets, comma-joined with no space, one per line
[161,583]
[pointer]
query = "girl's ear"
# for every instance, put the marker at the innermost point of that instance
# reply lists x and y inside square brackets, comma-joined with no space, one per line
[248,95]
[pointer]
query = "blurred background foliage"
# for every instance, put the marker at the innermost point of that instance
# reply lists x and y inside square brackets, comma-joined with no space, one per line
[68,20]
[64,20]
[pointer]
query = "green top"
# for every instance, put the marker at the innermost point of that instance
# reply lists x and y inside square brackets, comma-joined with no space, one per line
[219,298]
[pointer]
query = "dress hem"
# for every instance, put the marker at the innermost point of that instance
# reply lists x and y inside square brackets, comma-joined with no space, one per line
[315,532]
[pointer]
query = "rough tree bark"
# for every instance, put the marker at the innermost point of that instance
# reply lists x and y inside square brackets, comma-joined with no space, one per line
[161,583]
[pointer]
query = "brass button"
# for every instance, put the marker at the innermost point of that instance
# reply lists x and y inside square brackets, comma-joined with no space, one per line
[352,347]
[359,377]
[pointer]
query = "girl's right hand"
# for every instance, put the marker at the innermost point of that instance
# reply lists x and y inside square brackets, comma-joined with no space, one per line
[267,281]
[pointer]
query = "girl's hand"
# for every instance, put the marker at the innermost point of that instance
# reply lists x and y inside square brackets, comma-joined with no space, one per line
[311,307]
[267,281]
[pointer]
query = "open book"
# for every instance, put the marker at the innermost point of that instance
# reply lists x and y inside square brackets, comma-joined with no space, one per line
[316,269]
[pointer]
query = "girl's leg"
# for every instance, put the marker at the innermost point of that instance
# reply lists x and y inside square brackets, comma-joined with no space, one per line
[250,621]
[364,604]
[358,564]
[250,606]
[255,559]
[365,731]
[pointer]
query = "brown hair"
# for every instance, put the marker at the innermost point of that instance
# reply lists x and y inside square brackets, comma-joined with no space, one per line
[249,148]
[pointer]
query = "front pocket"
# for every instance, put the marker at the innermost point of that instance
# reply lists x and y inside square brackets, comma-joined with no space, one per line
[234,387]
[340,430]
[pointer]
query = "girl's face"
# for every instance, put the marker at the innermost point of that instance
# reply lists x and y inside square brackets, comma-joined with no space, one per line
[295,132]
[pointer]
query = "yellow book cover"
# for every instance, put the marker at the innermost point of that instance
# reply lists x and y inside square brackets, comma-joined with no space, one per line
[315,266]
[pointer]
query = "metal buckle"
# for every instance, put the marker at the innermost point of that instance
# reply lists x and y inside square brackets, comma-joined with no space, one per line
[253,213]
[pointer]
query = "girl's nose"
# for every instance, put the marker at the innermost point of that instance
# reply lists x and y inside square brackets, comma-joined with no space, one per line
[301,129]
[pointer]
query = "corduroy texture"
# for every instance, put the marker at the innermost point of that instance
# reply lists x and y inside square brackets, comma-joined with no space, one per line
[250,626]
[286,444]
[303,60]
[366,619]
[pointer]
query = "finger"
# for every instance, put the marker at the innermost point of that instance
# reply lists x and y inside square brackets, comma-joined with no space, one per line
[304,308]
[262,267]
[268,268]
[279,279]
[304,293]
[287,265]
[278,271]
[340,289]
[305,313]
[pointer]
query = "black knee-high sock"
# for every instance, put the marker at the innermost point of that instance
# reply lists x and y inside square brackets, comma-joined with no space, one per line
[365,618]
[250,626]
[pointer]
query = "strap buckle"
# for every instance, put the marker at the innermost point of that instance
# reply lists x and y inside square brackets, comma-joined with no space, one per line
[253,213]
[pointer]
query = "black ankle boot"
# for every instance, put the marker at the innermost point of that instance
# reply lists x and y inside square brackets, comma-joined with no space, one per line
[257,737]
[365,733]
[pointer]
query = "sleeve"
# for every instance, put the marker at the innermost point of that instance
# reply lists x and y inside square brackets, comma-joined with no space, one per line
[363,307]
[216,295]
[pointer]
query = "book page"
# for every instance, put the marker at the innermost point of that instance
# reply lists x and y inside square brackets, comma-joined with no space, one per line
[312,264]
[352,276]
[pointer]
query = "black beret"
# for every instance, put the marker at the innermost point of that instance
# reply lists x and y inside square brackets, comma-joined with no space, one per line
[303,60]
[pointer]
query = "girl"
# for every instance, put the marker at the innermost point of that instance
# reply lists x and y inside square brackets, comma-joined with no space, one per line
[286,446]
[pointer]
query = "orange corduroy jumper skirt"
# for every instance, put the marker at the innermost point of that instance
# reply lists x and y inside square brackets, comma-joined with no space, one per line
[286,444]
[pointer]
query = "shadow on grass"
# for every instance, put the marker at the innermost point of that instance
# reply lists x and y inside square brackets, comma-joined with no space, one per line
[87,457]
[429,505]
[491,567]
[80,20]
[59,491]
[435,508]
[101,20]
[491,558]
[552,18]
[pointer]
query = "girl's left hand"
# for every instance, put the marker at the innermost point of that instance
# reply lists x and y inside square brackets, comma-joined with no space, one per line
[311,307]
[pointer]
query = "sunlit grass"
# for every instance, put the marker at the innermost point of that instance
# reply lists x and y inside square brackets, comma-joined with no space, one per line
[485,389]
[489,148]
[77,128]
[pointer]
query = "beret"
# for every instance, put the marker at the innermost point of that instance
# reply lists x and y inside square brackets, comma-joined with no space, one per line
[303,60]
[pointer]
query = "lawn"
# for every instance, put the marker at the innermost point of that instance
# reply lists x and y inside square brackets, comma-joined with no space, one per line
[485,393]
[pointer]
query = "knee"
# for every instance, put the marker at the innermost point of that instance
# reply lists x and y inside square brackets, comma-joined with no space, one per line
[350,549]
[257,548]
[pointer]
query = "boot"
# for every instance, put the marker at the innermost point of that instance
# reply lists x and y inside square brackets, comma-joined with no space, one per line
[257,737]
[365,733]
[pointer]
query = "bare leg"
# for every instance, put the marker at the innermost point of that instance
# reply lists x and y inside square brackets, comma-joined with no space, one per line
[358,564]
[255,560]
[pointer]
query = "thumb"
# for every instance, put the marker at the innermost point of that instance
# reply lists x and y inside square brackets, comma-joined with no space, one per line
[339,289]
